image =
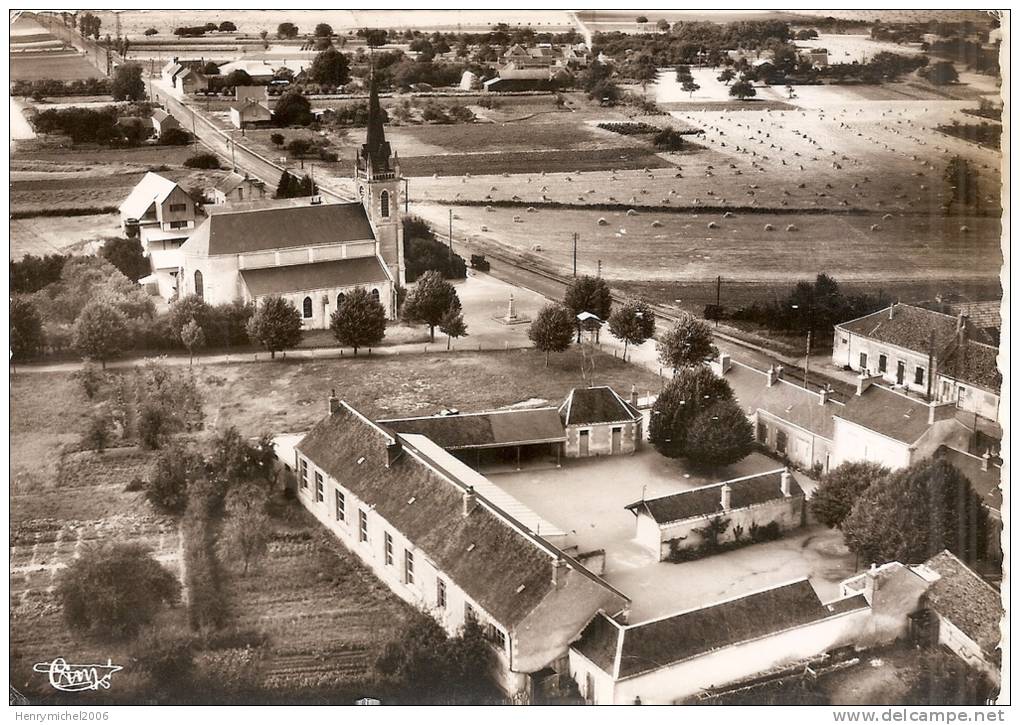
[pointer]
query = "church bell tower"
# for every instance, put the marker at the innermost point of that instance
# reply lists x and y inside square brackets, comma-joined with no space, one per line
[377,176]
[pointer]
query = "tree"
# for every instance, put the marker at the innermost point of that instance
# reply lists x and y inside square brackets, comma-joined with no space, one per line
[286,31]
[429,301]
[276,325]
[227,27]
[187,309]
[963,181]
[552,330]
[414,656]
[172,474]
[743,89]
[727,75]
[202,161]
[359,321]
[293,109]
[113,590]
[634,323]
[234,460]
[192,336]
[641,19]
[690,86]
[127,83]
[247,529]
[98,430]
[687,344]
[588,294]
[839,489]
[167,656]
[100,331]
[175,137]
[150,32]
[693,390]
[277,139]
[323,30]
[26,329]
[239,77]
[917,512]
[940,73]
[374,37]
[452,325]
[299,147]
[719,435]
[662,25]
[127,256]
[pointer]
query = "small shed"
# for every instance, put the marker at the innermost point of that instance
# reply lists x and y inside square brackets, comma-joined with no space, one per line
[163,121]
[599,422]
[249,113]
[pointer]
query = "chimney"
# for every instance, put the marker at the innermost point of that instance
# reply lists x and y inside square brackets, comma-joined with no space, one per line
[724,496]
[393,451]
[891,308]
[559,571]
[334,402]
[470,500]
[864,381]
[984,460]
[724,364]
[784,482]
[771,376]
[633,395]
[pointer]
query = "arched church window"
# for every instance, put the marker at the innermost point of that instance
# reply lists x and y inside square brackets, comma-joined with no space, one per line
[199,290]
[384,203]
[340,299]
[307,307]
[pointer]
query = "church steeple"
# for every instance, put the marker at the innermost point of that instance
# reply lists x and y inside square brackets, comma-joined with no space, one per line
[374,159]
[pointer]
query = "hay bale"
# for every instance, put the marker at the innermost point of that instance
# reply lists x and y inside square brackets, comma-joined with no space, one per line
[631,212]
[769,228]
[532,210]
[517,218]
[489,208]
[964,228]
[887,216]
[875,228]
[602,222]
[656,223]
[713,225]
[791,228]
[484,228]
[728,215]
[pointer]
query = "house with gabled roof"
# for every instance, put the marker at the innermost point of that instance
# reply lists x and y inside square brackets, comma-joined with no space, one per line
[598,422]
[239,187]
[163,121]
[248,113]
[676,520]
[968,375]
[444,540]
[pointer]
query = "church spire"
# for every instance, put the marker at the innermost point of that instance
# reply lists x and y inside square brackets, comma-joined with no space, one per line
[376,135]
[374,159]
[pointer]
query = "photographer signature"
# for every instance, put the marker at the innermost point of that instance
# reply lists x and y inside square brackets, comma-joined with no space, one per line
[77,678]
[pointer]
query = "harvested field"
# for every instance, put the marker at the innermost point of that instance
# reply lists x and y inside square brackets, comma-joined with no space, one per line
[532,162]
[36,54]
[48,235]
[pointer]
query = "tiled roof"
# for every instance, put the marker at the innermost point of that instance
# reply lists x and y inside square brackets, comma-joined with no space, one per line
[314,276]
[506,571]
[966,600]
[909,328]
[231,182]
[162,116]
[153,188]
[589,406]
[235,232]
[707,500]
[892,414]
[484,430]
[785,400]
[972,362]
[987,484]
[648,646]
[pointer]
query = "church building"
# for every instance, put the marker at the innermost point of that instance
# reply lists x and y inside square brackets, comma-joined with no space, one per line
[305,250]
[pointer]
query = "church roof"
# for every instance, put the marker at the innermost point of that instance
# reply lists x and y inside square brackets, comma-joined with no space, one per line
[375,152]
[313,276]
[233,231]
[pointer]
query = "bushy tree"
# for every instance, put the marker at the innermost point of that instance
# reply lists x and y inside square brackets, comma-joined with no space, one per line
[234,460]
[718,435]
[839,489]
[192,336]
[150,32]
[167,656]
[687,343]
[246,532]
[588,294]
[276,325]
[634,323]
[98,430]
[359,321]
[239,77]
[940,73]
[99,331]
[917,512]
[26,330]
[692,391]
[202,161]
[743,89]
[277,139]
[127,83]
[113,590]
[286,31]
[552,330]
[227,27]
[293,109]
[323,30]
[127,256]
[173,472]
[429,301]
[727,75]
[423,252]
[452,325]
[185,309]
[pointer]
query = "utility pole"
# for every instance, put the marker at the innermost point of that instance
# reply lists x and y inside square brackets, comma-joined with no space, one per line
[718,297]
[600,269]
[451,233]
[406,197]
[575,254]
[807,359]
[931,361]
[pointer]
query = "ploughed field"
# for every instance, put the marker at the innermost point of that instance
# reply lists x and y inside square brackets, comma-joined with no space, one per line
[36,54]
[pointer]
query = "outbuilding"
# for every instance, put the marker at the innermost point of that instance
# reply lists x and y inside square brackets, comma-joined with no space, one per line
[599,422]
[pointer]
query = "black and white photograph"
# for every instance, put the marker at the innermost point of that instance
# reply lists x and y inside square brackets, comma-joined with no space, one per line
[492,357]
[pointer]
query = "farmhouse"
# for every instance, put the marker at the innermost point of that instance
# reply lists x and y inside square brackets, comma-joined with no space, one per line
[239,187]
[416,517]
[263,71]
[599,422]
[968,375]
[163,121]
[747,503]
[246,114]
[184,77]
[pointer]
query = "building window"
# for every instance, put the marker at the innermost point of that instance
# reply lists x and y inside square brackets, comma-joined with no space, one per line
[362,525]
[178,207]
[340,299]
[496,636]
[781,441]
[408,567]
[304,473]
[388,548]
[306,307]
[199,291]
[320,494]
[179,225]
[762,433]
[864,361]
[918,376]
[384,203]
[470,615]
[882,363]
[375,295]
[440,594]
[341,505]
